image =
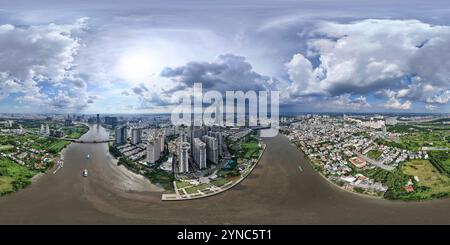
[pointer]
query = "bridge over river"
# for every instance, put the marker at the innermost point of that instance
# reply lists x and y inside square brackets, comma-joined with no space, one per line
[88,141]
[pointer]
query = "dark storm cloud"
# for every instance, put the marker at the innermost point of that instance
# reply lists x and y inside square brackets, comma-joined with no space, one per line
[227,72]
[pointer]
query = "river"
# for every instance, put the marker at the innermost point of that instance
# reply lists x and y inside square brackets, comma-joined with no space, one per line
[276,192]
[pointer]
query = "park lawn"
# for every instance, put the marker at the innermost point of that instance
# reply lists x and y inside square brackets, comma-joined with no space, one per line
[194,189]
[250,149]
[182,184]
[374,154]
[164,179]
[6,184]
[428,175]
[220,181]
[6,147]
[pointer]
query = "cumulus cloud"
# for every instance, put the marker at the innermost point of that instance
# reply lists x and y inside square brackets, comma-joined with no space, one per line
[372,55]
[431,107]
[345,101]
[40,58]
[395,103]
[440,98]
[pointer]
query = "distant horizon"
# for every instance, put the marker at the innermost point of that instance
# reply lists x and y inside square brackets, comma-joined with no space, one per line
[281,113]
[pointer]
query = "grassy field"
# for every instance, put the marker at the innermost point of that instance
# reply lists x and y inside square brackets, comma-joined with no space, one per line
[164,179]
[251,149]
[57,146]
[76,131]
[6,147]
[6,184]
[194,189]
[374,154]
[429,176]
[13,176]
[182,184]
[220,181]
[415,136]
[441,161]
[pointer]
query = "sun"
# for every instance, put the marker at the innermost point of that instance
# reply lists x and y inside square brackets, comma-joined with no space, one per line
[136,67]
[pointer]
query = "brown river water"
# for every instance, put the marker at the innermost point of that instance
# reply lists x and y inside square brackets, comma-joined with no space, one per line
[276,192]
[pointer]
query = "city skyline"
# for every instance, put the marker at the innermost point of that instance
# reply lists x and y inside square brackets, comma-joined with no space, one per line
[142,57]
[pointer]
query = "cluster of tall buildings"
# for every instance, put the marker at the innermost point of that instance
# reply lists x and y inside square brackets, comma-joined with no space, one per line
[198,146]
[68,123]
[204,146]
[112,121]
[153,143]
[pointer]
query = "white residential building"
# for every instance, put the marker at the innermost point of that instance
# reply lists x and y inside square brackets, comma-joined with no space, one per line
[199,153]
[136,134]
[153,150]
[183,157]
[212,149]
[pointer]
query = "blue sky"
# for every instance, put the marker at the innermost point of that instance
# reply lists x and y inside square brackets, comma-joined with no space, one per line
[143,56]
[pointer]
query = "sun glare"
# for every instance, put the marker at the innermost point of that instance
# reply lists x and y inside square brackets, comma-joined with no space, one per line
[136,67]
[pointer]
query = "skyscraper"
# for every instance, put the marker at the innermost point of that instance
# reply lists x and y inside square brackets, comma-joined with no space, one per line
[196,132]
[199,153]
[212,151]
[183,156]
[162,137]
[136,134]
[121,135]
[153,150]
[98,118]
[218,136]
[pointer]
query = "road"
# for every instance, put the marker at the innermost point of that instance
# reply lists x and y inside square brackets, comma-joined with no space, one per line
[376,163]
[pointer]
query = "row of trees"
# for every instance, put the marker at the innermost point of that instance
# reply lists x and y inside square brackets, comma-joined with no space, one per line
[439,159]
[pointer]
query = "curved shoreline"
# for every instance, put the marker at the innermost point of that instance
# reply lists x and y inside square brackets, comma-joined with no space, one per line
[39,175]
[275,192]
[361,194]
[164,197]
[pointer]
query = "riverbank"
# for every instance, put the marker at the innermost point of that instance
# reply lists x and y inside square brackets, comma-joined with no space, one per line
[126,173]
[409,184]
[217,190]
[34,157]
[275,192]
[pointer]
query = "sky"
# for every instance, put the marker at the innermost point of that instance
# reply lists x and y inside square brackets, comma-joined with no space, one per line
[143,56]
